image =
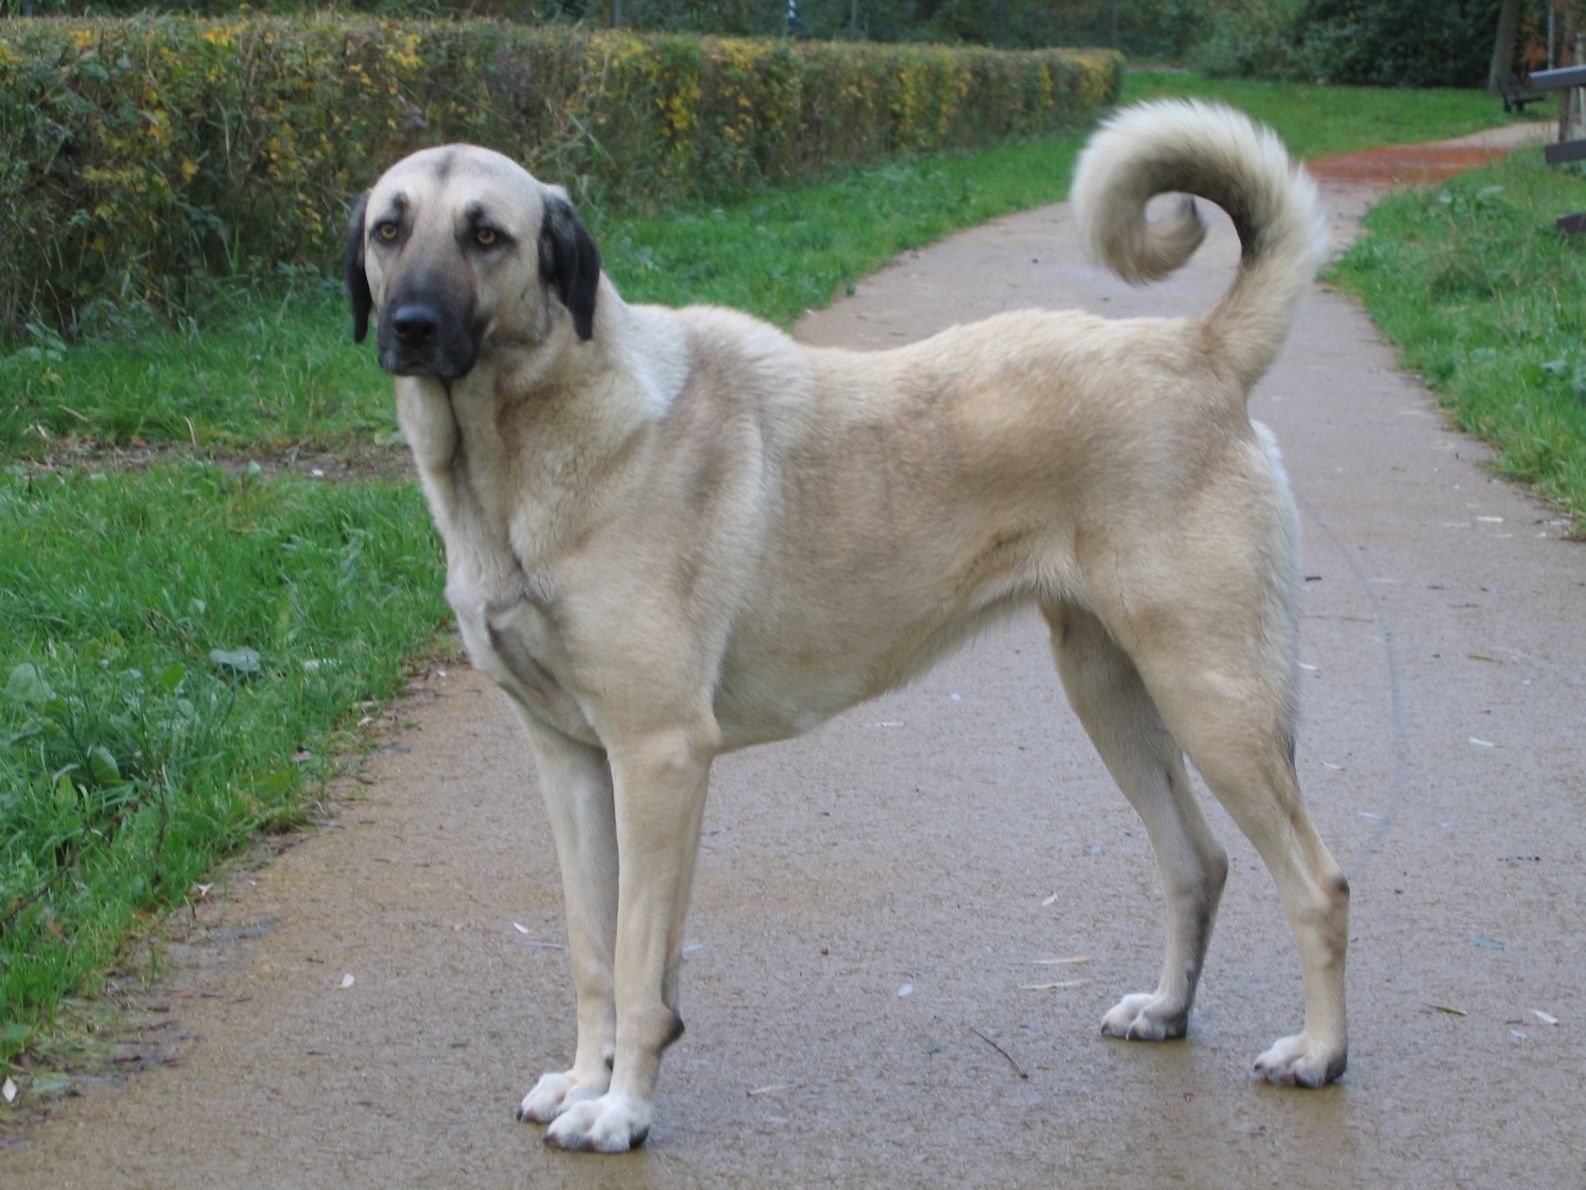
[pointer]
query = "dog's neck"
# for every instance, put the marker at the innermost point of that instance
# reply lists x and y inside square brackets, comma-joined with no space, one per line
[534,416]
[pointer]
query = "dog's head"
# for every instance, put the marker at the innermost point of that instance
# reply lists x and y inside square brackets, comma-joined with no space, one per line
[457,251]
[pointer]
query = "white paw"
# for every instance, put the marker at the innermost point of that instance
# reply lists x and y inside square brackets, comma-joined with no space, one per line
[1300,1061]
[555,1093]
[610,1124]
[1145,1017]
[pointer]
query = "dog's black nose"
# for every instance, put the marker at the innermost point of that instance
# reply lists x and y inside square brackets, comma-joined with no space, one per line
[415,323]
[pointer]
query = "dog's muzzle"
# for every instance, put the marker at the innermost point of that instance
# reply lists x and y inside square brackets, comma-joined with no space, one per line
[420,337]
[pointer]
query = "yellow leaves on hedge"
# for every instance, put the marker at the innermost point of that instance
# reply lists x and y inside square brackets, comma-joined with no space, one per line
[264,126]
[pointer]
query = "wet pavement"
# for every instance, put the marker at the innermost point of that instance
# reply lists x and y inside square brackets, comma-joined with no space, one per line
[907,927]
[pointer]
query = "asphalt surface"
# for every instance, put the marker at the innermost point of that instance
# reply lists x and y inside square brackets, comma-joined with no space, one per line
[869,985]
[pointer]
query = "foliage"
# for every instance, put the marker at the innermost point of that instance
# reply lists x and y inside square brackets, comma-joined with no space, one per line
[140,159]
[1138,26]
[1317,120]
[1488,301]
[1437,43]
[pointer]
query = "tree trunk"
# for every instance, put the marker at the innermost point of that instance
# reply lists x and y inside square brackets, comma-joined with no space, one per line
[1503,45]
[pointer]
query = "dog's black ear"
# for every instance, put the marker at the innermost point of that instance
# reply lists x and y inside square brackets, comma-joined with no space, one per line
[357,279]
[570,261]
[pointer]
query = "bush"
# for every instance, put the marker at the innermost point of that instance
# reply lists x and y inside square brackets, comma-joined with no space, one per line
[1441,43]
[1386,43]
[140,159]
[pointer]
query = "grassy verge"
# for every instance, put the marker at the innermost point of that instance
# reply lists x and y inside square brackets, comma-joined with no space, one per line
[1317,121]
[181,645]
[172,636]
[1488,302]
[284,373]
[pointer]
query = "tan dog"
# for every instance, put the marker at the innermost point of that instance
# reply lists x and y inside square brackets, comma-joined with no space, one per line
[672,533]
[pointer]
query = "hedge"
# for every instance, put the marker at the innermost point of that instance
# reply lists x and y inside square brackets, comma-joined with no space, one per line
[140,159]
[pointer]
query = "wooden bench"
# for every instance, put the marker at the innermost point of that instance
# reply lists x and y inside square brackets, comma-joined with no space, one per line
[1547,81]
[1515,95]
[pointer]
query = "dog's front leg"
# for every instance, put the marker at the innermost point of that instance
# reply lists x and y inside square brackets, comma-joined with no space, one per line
[575,782]
[660,779]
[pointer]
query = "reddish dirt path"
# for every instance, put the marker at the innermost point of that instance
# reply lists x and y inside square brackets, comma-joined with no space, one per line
[1404,165]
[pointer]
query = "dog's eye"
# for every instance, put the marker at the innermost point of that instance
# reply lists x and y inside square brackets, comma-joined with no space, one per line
[486,237]
[387,231]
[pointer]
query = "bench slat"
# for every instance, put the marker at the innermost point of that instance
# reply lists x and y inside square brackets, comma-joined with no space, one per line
[1567,150]
[1556,80]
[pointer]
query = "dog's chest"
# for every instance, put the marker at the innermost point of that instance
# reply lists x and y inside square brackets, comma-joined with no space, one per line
[512,638]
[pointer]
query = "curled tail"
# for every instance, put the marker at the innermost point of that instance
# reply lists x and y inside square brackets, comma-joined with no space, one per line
[1216,153]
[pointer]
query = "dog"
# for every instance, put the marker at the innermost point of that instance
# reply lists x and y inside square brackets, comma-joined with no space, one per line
[671,533]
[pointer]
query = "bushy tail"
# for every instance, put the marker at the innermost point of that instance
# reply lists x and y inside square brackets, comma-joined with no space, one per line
[1216,153]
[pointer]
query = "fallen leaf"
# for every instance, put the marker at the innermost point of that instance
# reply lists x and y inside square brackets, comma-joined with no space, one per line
[1547,1018]
[906,990]
[1071,961]
[9,1090]
[772,1089]
[348,980]
[1051,987]
[1482,743]
[1450,1009]
[243,661]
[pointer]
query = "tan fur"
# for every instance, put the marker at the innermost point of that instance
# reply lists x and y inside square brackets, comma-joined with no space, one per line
[687,533]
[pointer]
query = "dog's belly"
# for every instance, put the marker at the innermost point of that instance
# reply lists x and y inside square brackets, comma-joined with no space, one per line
[769,690]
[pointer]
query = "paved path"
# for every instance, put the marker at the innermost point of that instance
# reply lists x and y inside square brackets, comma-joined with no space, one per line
[863,979]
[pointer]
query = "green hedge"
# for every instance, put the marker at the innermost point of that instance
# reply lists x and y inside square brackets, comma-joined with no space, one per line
[139,159]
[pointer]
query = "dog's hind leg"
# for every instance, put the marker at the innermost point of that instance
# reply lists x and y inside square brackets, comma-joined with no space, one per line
[1111,701]
[1247,760]
[576,784]
[1217,663]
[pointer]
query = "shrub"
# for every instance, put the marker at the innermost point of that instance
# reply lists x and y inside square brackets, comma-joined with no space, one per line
[140,159]
[1438,43]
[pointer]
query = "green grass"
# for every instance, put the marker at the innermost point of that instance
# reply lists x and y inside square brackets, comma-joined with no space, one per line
[181,645]
[1317,121]
[172,636]
[1488,302]
[262,375]
[283,374]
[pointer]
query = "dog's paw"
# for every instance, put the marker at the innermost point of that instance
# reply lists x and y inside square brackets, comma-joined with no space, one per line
[610,1124]
[1146,1017]
[555,1093]
[1300,1061]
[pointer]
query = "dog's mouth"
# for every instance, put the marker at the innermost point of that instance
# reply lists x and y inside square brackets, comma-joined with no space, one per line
[406,363]
[418,338]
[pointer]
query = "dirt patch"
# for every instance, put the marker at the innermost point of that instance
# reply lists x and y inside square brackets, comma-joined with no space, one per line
[352,461]
[1403,165]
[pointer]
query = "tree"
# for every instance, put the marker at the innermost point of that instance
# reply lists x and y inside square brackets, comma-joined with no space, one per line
[1503,46]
